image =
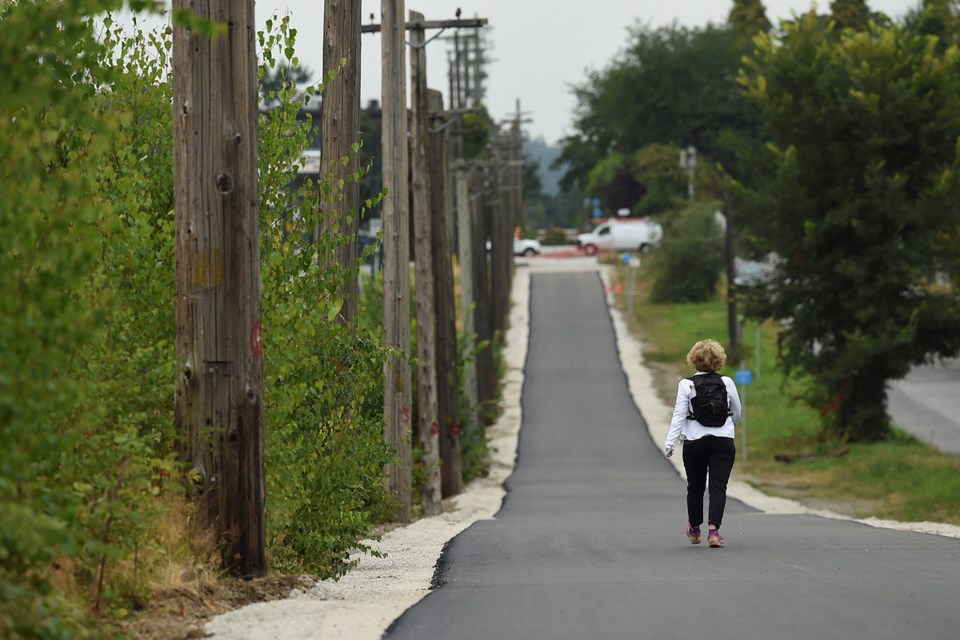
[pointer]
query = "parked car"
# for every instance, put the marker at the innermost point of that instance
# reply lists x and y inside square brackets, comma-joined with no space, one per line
[526,247]
[624,234]
[523,247]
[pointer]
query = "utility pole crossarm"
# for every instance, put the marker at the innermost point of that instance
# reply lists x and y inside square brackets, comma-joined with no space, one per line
[455,112]
[466,23]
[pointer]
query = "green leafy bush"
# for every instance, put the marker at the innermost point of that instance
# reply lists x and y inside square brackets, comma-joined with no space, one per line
[325,451]
[87,331]
[689,260]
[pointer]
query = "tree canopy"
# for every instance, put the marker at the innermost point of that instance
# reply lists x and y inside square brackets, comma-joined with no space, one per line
[850,14]
[672,86]
[748,17]
[860,198]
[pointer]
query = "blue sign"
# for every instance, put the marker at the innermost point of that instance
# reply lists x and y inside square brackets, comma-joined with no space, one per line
[743,376]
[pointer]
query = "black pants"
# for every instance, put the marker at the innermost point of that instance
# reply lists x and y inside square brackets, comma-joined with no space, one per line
[716,456]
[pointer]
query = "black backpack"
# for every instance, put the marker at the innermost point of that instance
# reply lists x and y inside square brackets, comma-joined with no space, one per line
[710,404]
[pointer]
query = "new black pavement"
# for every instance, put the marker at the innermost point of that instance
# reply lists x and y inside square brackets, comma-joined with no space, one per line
[590,544]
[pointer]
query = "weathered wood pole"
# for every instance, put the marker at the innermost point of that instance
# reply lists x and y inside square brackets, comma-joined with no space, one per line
[428,424]
[397,396]
[501,256]
[483,299]
[219,388]
[466,246]
[339,205]
[448,388]
[519,217]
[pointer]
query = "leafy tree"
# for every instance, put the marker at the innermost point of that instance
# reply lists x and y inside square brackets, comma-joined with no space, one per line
[850,14]
[612,182]
[861,201]
[936,18]
[748,17]
[672,86]
[690,257]
[660,176]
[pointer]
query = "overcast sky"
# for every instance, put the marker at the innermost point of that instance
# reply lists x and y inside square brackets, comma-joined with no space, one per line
[539,48]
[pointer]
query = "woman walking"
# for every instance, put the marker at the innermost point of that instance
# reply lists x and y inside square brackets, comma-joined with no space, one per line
[705,413]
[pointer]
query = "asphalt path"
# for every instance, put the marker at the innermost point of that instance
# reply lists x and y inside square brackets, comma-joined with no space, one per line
[589,542]
[927,404]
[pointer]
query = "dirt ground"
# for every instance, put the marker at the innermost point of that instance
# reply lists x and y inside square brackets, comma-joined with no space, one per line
[180,614]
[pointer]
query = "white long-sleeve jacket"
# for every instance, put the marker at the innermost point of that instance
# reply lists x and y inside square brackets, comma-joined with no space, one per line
[690,428]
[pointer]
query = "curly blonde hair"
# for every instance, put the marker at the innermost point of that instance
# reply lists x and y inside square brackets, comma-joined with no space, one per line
[707,355]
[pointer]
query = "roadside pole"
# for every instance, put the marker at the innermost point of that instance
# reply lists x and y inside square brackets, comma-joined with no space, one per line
[743,377]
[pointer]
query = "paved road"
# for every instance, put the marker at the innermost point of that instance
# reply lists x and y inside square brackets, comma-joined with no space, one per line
[589,543]
[927,404]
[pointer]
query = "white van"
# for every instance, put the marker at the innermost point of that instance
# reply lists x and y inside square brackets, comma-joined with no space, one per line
[621,234]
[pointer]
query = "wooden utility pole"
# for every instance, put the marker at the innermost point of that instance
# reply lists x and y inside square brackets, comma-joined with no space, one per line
[429,426]
[397,396]
[467,301]
[519,218]
[483,309]
[448,388]
[733,321]
[219,388]
[340,205]
[501,256]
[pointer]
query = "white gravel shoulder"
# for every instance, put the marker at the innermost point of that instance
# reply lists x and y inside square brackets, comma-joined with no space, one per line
[363,604]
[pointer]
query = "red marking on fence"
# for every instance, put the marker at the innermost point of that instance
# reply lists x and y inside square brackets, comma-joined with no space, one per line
[405,415]
[435,428]
[455,429]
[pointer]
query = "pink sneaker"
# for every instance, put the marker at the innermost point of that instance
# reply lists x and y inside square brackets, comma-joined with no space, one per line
[693,533]
[714,539]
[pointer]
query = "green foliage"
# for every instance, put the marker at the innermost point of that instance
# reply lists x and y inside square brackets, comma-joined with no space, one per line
[325,452]
[477,129]
[473,442]
[850,14]
[87,331]
[938,18]
[612,182]
[748,17]
[81,335]
[861,199]
[690,257]
[656,170]
[673,87]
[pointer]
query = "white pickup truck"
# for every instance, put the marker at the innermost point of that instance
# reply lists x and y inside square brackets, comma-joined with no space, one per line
[621,234]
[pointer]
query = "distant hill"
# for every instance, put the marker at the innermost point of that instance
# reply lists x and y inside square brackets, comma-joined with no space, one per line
[538,151]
